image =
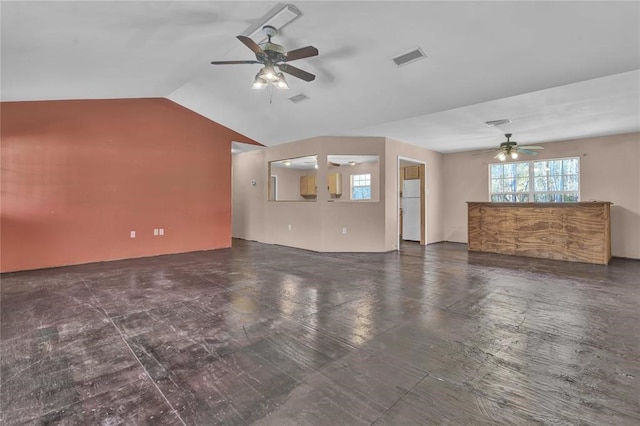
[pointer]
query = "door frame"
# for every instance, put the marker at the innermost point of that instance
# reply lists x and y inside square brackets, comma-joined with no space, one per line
[423,199]
[273,186]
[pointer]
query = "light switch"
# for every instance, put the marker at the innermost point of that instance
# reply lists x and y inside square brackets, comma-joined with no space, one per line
[155,231]
[161,231]
[132,234]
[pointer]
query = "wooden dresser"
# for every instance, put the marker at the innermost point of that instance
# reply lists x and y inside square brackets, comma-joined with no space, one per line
[578,232]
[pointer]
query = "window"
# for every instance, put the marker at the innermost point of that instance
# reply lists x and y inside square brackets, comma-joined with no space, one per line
[535,181]
[510,182]
[361,187]
[556,180]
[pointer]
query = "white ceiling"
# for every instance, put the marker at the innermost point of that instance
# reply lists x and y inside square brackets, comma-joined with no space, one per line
[558,69]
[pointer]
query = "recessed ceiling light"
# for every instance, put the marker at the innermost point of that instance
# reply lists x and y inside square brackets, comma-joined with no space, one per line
[287,163]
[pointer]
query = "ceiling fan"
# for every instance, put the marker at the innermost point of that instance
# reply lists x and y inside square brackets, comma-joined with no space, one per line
[275,60]
[511,149]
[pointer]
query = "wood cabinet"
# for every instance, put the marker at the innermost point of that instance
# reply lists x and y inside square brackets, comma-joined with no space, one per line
[578,232]
[334,181]
[412,172]
[308,186]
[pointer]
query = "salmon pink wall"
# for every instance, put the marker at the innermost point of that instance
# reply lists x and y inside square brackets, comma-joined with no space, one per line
[78,176]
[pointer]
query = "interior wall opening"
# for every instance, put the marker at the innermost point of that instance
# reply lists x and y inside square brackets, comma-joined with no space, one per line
[411,203]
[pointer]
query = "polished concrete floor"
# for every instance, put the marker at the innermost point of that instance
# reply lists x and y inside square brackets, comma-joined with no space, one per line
[269,335]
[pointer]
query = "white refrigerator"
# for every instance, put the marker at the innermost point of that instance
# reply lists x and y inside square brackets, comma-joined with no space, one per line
[411,210]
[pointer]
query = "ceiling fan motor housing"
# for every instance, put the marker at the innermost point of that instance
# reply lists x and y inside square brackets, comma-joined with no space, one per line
[272,52]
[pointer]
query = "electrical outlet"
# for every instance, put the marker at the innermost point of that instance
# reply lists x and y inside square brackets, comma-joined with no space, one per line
[161,231]
[344,231]
[132,234]
[155,232]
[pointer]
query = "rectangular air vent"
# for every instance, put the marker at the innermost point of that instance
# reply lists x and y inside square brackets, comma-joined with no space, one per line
[494,123]
[300,97]
[409,57]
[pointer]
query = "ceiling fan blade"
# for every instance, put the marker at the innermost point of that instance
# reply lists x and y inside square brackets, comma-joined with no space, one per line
[331,163]
[247,41]
[303,52]
[532,147]
[296,72]
[498,154]
[233,62]
[526,151]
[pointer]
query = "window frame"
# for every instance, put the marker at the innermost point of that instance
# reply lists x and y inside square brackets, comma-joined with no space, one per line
[351,186]
[531,192]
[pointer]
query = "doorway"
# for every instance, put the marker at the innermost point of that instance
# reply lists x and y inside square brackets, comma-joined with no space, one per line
[411,202]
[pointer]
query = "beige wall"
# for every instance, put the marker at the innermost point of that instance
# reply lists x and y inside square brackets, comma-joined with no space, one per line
[434,189]
[371,226]
[609,171]
[247,210]
[289,183]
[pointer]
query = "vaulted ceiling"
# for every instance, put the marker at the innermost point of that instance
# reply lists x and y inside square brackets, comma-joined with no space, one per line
[558,70]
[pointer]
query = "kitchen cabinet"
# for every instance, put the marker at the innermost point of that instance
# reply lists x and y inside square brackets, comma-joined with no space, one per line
[412,172]
[308,186]
[334,181]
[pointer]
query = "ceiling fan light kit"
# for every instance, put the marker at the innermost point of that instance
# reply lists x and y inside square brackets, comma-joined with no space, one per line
[267,75]
[259,82]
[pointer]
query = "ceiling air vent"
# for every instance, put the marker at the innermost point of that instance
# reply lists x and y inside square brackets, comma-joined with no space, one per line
[495,123]
[300,97]
[407,58]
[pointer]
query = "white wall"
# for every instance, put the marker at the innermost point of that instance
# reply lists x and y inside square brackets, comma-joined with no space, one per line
[609,171]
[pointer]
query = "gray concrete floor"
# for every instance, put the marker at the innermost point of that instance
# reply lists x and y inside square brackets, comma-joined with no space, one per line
[278,336]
